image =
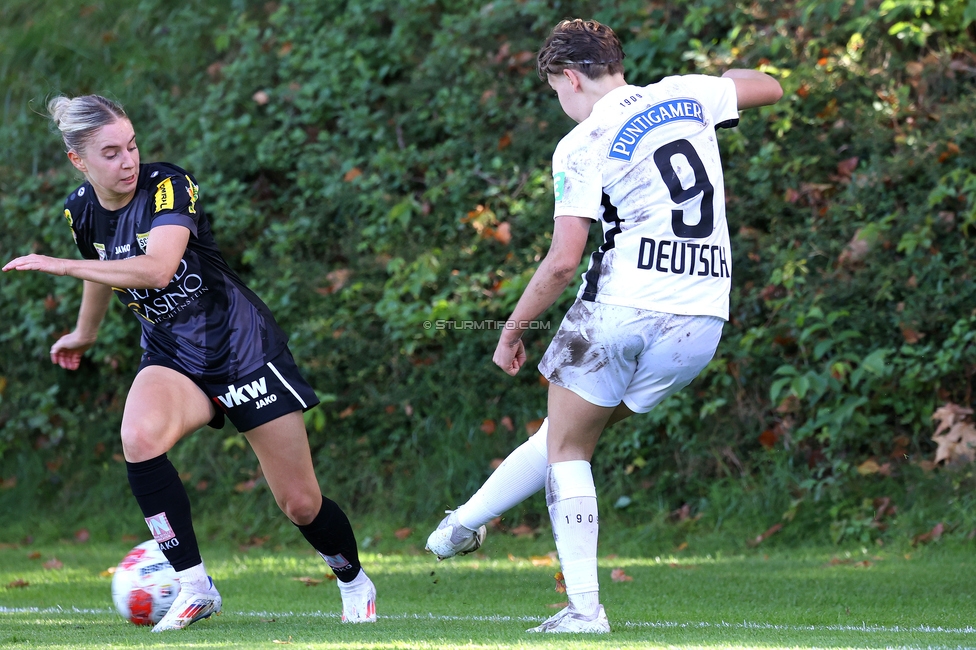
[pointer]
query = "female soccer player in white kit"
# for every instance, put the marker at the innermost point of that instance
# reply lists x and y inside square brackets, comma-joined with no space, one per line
[644,161]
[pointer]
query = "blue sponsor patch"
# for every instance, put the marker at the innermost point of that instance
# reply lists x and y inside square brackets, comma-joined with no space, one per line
[639,125]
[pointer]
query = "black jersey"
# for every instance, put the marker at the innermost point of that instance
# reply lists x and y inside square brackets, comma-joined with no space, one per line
[205,320]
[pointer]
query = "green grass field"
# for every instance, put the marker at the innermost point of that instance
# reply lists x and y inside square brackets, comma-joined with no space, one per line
[863,598]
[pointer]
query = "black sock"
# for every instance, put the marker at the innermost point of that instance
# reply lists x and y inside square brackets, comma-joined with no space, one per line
[331,535]
[166,506]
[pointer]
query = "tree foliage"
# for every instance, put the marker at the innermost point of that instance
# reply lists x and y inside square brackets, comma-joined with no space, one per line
[379,172]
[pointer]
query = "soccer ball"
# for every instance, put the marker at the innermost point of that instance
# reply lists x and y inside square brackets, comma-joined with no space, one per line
[144,585]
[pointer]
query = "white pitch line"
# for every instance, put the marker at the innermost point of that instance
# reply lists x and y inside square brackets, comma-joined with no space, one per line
[745,625]
[54,610]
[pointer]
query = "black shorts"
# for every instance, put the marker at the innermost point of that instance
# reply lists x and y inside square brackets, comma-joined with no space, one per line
[274,389]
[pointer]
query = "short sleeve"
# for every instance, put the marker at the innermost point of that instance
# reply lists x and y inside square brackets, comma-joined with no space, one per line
[174,200]
[718,96]
[577,181]
[80,232]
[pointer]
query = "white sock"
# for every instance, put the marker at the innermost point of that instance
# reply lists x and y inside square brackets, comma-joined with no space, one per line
[520,476]
[195,576]
[359,581]
[571,496]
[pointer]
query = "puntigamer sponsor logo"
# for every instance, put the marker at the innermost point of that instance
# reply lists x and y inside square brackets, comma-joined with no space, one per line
[631,133]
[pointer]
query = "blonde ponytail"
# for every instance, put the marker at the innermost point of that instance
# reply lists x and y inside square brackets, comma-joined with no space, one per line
[79,118]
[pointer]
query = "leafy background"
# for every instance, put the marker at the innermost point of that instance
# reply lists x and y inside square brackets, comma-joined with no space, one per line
[371,166]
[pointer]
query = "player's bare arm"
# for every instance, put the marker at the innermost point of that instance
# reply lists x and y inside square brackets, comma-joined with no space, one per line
[154,270]
[554,274]
[754,88]
[67,350]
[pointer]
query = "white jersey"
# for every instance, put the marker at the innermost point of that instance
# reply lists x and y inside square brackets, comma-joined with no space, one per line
[646,162]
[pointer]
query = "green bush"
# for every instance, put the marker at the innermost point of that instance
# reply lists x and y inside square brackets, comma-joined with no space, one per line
[374,166]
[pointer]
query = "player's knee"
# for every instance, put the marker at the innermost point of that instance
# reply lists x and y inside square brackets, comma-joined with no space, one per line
[300,507]
[562,449]
[141,442]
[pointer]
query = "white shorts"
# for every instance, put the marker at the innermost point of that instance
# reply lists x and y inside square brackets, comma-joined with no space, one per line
[608,354]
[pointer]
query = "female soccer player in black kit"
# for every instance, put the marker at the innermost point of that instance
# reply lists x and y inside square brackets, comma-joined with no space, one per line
[212,349]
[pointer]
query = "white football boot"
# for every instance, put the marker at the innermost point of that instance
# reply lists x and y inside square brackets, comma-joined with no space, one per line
[568,620]
[190,606]
[451,538]
[358,599]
